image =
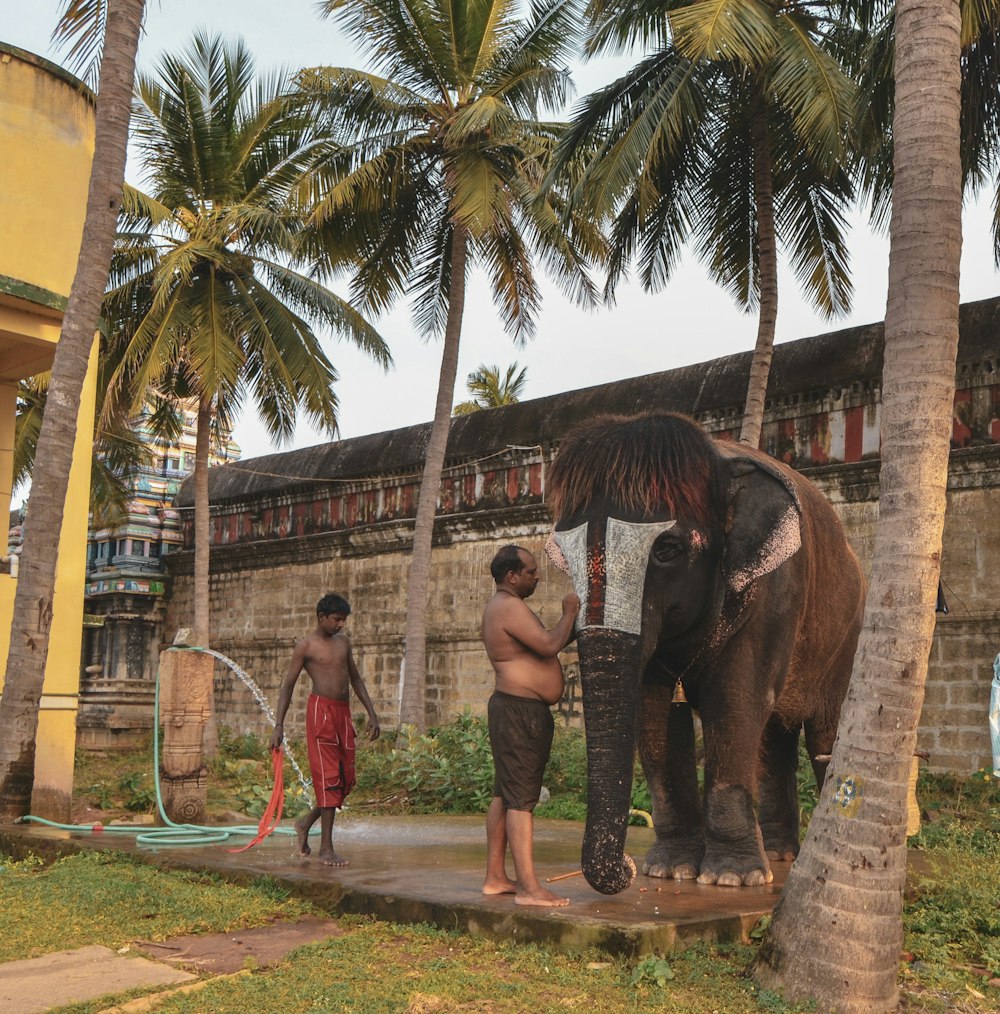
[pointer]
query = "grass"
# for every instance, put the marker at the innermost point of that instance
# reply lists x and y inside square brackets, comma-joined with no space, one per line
[103,898]
[380,967]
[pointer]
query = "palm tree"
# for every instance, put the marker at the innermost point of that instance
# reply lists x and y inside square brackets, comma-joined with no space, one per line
[730,136]
[489,390]
[206,298]
[29,636]
[837,931]
[442,161]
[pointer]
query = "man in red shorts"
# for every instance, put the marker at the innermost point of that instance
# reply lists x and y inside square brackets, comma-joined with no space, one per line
[529,680]
[326,656]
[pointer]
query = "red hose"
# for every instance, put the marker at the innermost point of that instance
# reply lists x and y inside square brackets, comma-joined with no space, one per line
[272,815]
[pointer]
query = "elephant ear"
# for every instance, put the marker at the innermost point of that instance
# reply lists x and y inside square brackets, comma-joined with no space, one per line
[764,517]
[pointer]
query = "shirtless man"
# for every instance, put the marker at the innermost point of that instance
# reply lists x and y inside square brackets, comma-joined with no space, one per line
[326,656]
[529,679]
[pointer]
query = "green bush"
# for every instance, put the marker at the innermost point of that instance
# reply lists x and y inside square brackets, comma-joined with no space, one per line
[563,808]
[448,770]
[567,768]
[241,746]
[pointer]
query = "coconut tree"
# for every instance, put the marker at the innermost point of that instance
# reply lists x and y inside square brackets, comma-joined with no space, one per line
[118,28]
[443,156]
[837,931]
[488,389]
[728,136]
[208,298]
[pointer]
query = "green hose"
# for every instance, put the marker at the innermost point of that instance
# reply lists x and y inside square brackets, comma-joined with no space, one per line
[173,834]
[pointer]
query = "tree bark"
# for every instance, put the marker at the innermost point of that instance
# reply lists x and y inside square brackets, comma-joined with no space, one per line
[202,578]
[767,263]
[837,931]
[29,637]
[413,709]
[202,524]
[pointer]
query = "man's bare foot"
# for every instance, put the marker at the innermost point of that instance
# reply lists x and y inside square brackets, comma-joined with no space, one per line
[542,897]
[302,836]
[332,859]
[505,886]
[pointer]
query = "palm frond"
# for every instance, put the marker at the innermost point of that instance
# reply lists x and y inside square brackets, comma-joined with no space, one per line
[506,259]
[409,41]
[618,25]
[80,31]
[740,31]
[311,300]
[431,282]
[820,97]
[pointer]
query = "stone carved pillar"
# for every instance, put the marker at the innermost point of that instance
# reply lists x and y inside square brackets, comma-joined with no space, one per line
[185,707]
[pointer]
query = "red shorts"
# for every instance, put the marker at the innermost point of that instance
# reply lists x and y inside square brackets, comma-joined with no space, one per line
[330,738]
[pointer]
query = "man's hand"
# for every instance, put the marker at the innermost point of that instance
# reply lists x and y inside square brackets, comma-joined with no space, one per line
[373,730]
[571,604]
[276,738]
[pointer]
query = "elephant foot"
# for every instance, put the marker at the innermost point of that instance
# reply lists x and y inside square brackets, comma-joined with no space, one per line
[682,871]
[734,870]
[781,852]
[733,878]
[781,841]
[672,861]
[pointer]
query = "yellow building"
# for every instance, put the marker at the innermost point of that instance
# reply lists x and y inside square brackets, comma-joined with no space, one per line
[46,148]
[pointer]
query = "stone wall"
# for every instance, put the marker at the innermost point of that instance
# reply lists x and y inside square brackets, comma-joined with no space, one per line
[290,527]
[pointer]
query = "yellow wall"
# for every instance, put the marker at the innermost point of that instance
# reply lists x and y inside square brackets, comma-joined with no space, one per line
[47,131]
[46,148]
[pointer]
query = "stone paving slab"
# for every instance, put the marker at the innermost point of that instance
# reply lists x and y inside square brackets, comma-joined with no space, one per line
[430,869]
[224,953]
[63,977]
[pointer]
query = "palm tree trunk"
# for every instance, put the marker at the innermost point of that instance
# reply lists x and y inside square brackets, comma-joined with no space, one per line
[767,261]
[413,705]
[202,598]
[837,932]
[29,636]
[202,524]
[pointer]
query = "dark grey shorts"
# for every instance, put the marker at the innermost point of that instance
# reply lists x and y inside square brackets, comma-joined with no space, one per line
[521,731]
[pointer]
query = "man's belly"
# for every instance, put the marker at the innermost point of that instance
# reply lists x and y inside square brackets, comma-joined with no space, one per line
[542,682]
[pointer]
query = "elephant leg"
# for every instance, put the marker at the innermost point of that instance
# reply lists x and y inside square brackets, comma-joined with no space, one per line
[667,753]
[820,736]
[778,810]
[733,725]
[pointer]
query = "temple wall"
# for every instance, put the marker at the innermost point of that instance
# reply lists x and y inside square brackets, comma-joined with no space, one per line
[276,554]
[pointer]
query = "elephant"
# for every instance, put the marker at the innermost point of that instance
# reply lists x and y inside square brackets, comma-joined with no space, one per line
[705,567]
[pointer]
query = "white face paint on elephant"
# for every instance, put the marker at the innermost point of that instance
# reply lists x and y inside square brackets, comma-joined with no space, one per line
[626,546]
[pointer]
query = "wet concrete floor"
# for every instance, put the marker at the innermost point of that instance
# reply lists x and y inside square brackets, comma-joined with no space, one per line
[430,869]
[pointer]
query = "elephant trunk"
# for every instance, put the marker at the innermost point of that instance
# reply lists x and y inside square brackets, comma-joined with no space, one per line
[610,677]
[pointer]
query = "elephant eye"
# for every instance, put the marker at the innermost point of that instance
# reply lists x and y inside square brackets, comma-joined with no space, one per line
[667,550]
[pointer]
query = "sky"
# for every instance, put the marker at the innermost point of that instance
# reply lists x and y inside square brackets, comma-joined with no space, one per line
[689,321]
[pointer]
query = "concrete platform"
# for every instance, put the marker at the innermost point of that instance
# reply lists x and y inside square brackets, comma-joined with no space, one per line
[430,869]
